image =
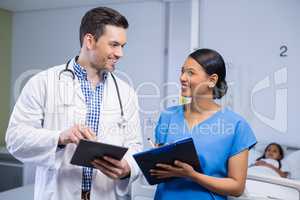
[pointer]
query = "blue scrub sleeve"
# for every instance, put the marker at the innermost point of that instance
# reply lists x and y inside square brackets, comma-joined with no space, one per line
[244,138]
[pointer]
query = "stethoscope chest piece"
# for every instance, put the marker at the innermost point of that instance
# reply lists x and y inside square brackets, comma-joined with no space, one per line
[122,123]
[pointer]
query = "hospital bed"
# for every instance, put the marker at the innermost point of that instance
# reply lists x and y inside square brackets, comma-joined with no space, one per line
[258,186]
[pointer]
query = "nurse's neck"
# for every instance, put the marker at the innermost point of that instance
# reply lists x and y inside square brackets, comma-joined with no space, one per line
[202,105]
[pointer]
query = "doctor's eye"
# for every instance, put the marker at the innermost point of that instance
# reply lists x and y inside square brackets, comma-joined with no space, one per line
[115,44]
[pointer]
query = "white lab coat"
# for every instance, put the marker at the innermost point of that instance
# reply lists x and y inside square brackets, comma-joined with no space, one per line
[46,107]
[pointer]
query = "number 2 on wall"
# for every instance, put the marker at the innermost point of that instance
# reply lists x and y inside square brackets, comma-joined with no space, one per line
[283,50]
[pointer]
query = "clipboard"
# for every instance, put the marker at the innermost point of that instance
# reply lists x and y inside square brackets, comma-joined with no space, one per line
[182,150]
[86,151]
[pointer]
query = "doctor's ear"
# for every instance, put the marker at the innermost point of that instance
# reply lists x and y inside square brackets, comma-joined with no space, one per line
[89,41]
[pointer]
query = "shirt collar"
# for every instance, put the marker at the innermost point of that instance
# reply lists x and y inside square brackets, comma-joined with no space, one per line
[81,73]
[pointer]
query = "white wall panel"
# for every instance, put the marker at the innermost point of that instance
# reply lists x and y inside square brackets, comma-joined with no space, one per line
[251,35]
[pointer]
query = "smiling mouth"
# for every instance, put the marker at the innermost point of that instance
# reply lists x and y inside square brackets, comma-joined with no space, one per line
[184,87]
[113,61]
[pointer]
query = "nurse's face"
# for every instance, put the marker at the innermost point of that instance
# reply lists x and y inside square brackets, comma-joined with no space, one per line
[194,80]
[108,49]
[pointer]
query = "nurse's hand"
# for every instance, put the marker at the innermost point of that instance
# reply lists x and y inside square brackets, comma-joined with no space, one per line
[112,168]
[179,169]
[76,133]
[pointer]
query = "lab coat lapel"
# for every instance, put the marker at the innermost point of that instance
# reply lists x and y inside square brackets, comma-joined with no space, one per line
[110,103]
[69,89]
[77,90]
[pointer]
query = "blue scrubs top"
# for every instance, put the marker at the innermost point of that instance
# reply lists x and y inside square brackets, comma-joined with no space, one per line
[216,139]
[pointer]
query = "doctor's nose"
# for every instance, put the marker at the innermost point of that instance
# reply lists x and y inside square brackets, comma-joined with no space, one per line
[119,52]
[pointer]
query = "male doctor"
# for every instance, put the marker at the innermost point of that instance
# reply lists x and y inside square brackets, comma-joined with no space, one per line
[57,108]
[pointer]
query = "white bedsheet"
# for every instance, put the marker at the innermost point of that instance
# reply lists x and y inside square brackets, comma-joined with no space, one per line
[262,170]
[257,189]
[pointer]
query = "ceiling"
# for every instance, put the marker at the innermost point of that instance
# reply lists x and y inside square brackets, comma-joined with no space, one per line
[28,5]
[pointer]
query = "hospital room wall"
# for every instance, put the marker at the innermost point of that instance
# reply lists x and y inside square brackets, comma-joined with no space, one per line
[260,43]
[39,42]
[5,60]
[157,38]
[250,43]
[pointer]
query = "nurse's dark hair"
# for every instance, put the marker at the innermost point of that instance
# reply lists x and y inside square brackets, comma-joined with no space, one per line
[95,20]
[212,63]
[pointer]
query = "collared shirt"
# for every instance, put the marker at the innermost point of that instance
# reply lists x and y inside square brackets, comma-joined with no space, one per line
[93,100]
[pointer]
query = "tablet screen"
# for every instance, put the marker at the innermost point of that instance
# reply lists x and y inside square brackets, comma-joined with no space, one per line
[87,151]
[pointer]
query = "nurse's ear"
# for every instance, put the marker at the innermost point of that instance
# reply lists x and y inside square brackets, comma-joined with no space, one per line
[212,80]
[89,41]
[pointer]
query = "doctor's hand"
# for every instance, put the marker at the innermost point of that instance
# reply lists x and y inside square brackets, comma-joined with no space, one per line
[76,133]
[179,169]
[112,168]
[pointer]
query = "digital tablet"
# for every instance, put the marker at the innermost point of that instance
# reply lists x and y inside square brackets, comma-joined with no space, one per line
[182,150]
[87,151]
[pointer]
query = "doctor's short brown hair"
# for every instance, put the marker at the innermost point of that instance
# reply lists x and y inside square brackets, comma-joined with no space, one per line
[95,20]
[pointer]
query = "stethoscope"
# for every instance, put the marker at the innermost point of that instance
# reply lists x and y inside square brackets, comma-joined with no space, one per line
[122,122]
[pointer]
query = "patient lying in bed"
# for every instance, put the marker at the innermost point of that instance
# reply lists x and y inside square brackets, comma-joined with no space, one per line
[270,162]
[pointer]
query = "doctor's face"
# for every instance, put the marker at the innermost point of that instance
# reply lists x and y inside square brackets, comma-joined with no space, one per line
[108,49]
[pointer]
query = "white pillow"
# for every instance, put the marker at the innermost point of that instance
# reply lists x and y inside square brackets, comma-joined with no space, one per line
[253,155]
[261,146]
[293,161]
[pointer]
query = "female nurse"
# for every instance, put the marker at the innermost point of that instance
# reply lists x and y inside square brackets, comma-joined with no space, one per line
[222,138]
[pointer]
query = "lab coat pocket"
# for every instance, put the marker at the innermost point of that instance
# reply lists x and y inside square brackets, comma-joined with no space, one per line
[71,103]
[51,178]
[74,115]
[65,116]
[109,130]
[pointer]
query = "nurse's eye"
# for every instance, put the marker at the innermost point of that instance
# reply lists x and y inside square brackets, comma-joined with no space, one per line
[189,73]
